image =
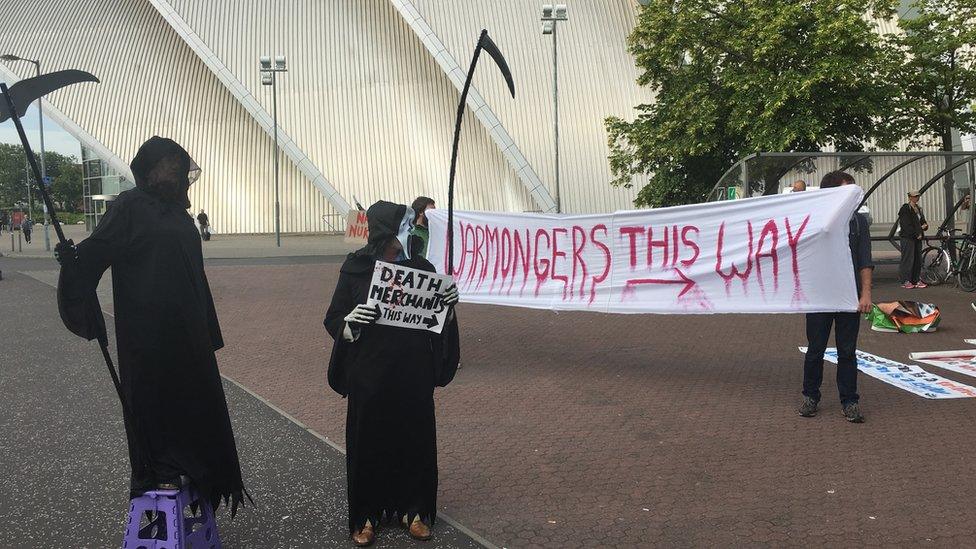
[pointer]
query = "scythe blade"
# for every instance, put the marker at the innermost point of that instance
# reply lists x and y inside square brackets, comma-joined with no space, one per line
[26,91]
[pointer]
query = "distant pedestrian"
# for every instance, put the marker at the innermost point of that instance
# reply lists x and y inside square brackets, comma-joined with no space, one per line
[4,221]
[27,227]
[799,186]
[911,221]
[419,234]
[846,324]
[204,222]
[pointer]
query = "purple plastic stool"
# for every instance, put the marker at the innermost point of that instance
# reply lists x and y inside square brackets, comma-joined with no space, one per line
[165,519]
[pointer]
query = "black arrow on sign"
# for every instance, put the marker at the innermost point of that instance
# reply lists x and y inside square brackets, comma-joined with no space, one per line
[430,322]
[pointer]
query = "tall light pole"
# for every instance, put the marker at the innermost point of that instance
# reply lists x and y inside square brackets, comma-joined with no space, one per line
[40,121]
[551,15]
[269,77]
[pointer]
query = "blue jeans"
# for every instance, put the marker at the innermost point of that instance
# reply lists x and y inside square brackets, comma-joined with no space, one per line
[818,335]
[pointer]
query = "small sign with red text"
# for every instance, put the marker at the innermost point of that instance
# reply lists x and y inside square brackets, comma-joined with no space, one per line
[357,227]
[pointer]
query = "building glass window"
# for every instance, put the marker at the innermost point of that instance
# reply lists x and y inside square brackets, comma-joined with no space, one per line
[101,185]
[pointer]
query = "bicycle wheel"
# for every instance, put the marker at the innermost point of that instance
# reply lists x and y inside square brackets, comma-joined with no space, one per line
[935,265]
[967,271]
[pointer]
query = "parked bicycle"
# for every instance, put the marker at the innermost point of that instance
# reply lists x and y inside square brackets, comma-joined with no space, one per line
[938,266]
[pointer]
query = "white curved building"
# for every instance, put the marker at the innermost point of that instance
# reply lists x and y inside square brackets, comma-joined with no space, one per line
[365,110]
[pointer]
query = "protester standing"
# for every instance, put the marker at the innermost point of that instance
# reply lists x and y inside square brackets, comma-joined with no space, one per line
[166,328]
[846,324]
[419,230]
[799,186]
[911,221]
[204,222]
[388,374]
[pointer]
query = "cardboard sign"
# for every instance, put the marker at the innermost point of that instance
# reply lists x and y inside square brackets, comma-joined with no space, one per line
[409,298]
[910,378]
[357,227]
[774,254]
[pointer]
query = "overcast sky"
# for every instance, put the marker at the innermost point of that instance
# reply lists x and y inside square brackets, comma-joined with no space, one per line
[55,138]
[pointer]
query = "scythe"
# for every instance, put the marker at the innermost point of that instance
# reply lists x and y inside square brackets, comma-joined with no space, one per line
[484,43]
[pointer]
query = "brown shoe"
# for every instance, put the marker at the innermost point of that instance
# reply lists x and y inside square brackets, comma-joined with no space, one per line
[418,530]
[364,537]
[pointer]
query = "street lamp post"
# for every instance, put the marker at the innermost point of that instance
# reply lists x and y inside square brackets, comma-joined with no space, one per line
[269,77]
[40,121]
[551,15]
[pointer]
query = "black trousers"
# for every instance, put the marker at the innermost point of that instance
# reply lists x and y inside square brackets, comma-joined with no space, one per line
[818,334]
[910,267]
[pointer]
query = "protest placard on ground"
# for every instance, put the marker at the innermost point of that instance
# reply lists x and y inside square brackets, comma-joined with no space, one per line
[913,379]
[970,341]
[772,254]
[409,298]
[963,362]
[357,227]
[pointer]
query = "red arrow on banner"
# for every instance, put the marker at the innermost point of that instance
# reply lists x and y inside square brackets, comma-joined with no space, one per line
[682,279]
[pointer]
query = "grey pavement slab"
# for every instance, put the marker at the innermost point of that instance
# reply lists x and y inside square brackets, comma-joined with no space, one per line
[63,454]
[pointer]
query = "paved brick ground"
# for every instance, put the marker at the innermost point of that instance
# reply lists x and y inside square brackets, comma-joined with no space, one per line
[581,429]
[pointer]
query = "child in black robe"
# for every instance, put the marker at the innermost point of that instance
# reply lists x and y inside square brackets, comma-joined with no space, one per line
[389,374]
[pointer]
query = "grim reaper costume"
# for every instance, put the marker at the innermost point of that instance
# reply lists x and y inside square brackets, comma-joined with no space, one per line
[388,374]
[165,324]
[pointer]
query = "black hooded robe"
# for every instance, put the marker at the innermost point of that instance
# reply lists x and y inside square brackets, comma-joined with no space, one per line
[167,331]
[389,374]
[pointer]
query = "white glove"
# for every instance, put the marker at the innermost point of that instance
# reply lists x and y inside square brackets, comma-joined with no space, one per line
[362,315]
[451,296]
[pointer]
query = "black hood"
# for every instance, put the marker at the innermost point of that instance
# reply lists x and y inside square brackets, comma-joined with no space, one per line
[384,220]
[176,170]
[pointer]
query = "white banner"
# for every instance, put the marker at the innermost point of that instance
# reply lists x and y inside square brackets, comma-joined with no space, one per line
[963,362]
[911,378]
[775,254]
[409,298]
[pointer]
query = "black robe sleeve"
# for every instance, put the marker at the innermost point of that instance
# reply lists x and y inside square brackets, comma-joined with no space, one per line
[78,279]
[213,325]
[343,302]
[447,353]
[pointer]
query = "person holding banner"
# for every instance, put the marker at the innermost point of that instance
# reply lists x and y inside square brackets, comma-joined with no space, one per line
[419,233]
[388,374]
[846,323]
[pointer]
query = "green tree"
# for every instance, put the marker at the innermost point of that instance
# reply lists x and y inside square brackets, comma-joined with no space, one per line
[13,172]
[66,186]
[736,77]
[64,171]
[936,75]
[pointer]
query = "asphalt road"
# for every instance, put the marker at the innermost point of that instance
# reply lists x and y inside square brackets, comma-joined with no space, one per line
[62,447]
